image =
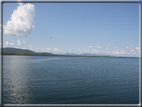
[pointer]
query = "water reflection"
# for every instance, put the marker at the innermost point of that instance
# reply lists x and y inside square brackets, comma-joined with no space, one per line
[16,80]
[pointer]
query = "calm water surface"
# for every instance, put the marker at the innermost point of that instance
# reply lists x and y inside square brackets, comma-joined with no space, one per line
[70,80]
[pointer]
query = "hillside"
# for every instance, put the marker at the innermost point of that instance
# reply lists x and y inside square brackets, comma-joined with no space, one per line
[21,51]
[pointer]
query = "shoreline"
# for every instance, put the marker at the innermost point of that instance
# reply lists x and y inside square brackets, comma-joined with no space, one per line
[68,55]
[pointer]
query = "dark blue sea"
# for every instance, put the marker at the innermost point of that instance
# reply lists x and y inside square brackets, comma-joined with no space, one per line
[70,80]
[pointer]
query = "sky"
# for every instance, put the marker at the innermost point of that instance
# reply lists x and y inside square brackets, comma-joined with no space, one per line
[59,28]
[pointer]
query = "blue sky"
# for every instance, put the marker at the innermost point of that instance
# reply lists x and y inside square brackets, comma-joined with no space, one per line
[96,28]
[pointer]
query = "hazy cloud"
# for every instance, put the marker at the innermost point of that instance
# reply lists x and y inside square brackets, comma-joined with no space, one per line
[55,49]
[127,47]
[48,49]
[137,48]
[108,45]
[90,46]
[114,47]
[22,20]
[30,46]
[19,43]
[11,43]
[122,52]
[24,42]
[132,50]
[116,52]
[98,46]
[78,46]
[6,43]
[96,50]
[127,42]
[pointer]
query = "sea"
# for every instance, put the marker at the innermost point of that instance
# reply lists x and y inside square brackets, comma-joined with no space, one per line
[70,80]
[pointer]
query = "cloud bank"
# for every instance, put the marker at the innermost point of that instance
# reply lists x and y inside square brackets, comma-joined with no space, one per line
[21,22]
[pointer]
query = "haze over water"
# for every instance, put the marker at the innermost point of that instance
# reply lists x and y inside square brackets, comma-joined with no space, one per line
[70,80]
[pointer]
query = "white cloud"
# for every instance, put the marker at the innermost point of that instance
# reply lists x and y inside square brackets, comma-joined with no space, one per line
[90,46]
[11,43]
[22,21]
[122,52]
[98,46]
[24,42]
[78,46]
[6,43]
[96,50]
[19,43]
[30,46]
[115,52]
[137,48]
[108,45]
[80,50]
[127,42]
[127,47]
[106,48]
[119,52]
[55,49]
[48,49]
[132,50]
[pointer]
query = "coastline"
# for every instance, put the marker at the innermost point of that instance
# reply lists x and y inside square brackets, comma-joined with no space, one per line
[68,55]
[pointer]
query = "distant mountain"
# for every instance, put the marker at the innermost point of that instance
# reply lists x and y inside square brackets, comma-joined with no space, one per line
[21,51]
[70,54]
[88,54]
[17,51]
[44,53]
